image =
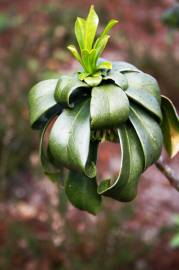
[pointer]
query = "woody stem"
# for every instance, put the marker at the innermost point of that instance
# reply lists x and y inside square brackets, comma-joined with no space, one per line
[168,173]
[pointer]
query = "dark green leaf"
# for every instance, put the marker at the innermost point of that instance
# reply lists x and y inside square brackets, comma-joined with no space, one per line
[124,188]
[146,100]
[41,102]
[149,134]
[66,87]
[82,192]
[124,67]
[118,78]
[170,126]
[49,168]
[70,138]
[142,81]
[109,106]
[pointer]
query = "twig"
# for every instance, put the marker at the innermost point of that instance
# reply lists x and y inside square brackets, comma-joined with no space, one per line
[168,172]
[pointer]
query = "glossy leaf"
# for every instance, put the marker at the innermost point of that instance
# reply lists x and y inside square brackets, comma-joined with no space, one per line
[143,81]
[118,78]
[41,102]
[67,87]
[149,134]
[70,138]
[170,126]
[146,100]
[82,192]
[124,188]
[124,67]
[109,106]
[48,166]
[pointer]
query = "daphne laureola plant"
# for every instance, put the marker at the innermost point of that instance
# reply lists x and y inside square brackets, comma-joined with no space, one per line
[113,101]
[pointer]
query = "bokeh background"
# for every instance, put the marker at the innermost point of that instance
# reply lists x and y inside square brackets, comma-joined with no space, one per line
[39,229]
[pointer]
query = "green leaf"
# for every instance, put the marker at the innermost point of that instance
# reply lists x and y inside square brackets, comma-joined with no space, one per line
[146,100]
[117,77]
[104,65]
[83,75]
[93,80]
[67,87]
[100,46]
[69,139]
[174,243]
[80,26]
[108,27]
[48,166]
[141,81]
[149,133]
[124,67]
[75,53]
[91,28]
[124,188]
[87,58]
[82,192]
[109,106]
[170,126]
[41,100]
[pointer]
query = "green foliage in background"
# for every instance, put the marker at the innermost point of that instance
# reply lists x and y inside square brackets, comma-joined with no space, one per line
[171,16]
[112,101]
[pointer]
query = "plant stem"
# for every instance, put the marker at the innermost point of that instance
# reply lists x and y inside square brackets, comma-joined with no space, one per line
[168,172]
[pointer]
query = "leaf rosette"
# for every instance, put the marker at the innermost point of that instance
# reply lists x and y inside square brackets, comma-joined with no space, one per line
[112,101]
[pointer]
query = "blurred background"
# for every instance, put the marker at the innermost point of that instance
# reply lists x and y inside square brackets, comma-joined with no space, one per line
[39,229]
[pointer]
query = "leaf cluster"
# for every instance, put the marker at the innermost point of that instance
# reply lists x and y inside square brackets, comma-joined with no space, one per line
[91,49]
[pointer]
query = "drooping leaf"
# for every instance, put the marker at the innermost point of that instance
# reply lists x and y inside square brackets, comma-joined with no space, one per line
[109,106]
[69,139]
[48,166]
[146,100]
[118,78]
[82,192]
[90,28]
[75,53]
[80,25]
[141,80]
[41,101]
[124,188]
[149,134]
[170,126]
[67,87]
[124,67]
